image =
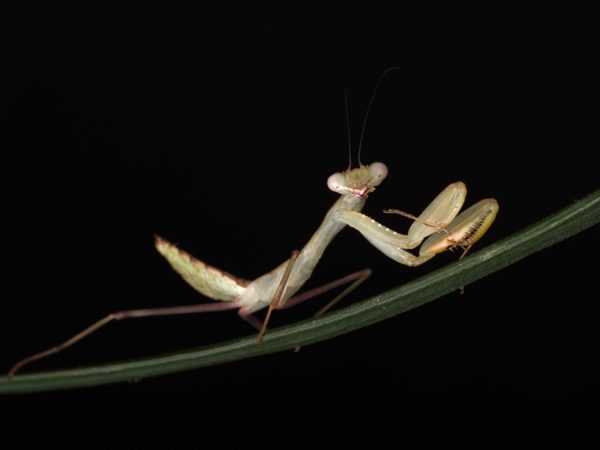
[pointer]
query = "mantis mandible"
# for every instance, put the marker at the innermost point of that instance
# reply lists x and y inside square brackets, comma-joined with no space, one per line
[439,225]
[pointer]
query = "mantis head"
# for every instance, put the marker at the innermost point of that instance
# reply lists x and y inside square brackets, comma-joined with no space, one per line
[360,181]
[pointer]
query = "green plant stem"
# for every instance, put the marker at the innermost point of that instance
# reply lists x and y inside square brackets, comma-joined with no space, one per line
[557,227]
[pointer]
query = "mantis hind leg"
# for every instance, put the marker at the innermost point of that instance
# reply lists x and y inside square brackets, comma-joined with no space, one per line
[252,320]
[356,278]
[120,315]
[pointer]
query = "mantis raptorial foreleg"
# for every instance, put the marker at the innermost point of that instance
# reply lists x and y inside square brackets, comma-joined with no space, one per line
[440,211]
[466,229]
[439,222]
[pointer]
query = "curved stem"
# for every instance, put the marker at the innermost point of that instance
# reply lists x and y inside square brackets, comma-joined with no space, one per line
[557,227]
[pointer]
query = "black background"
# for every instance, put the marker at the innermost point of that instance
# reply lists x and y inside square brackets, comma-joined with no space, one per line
[121,123]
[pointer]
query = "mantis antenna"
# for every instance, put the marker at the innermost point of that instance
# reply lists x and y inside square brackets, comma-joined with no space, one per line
[346,93]
[364,125]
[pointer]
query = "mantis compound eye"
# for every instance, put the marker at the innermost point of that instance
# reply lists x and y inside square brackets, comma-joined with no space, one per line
[378,170]
[336,182]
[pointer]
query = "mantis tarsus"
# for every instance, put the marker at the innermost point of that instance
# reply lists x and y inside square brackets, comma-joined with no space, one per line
[439,225]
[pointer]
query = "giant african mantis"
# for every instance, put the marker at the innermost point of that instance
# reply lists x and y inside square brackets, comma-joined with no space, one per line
[439,226]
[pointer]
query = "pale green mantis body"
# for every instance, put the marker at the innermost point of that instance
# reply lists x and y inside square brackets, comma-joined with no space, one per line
[275,289]
[440,223]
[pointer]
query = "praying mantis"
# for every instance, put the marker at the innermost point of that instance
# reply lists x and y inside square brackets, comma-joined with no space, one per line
[438,228]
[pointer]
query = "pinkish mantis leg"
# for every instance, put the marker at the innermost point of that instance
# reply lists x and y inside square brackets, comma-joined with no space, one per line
[252,320]
[357,278]
[119,315]
[278,295]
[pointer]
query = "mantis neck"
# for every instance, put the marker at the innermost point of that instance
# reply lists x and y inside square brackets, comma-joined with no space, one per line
[260,292]
[329,228]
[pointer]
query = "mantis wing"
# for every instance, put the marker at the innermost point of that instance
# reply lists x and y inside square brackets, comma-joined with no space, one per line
[206,279]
